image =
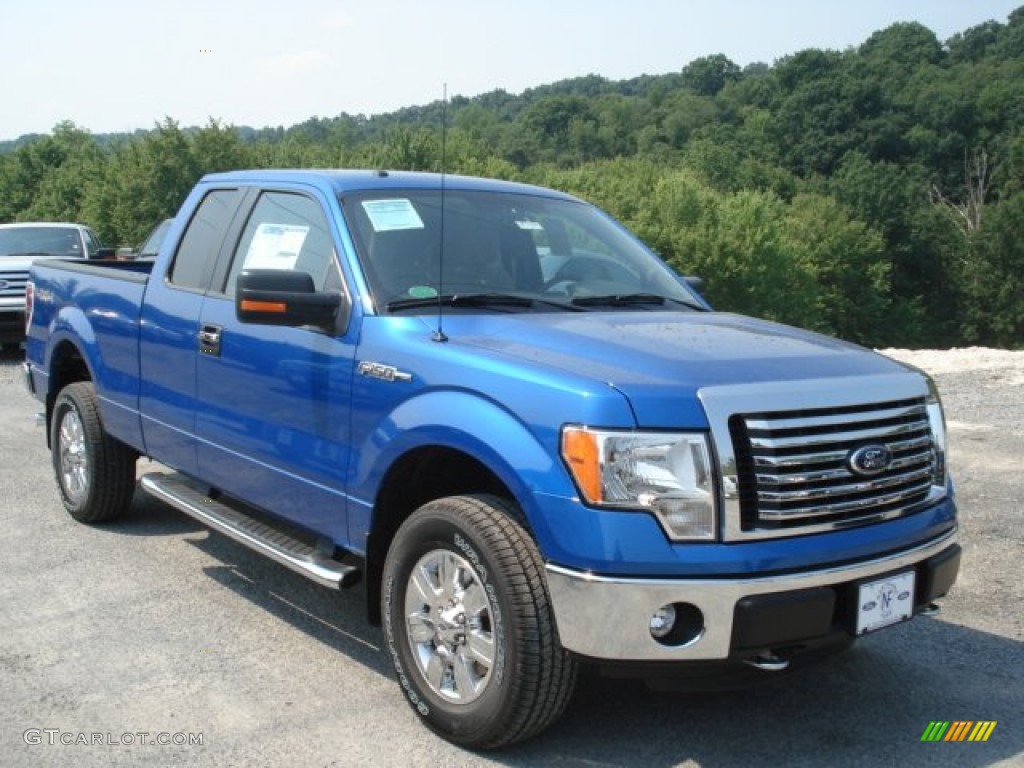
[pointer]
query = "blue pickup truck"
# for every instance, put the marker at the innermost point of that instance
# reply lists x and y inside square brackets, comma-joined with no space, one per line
[534,443]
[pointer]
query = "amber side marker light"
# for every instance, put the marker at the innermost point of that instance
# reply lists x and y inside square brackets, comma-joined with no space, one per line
[248,305]
[581,451]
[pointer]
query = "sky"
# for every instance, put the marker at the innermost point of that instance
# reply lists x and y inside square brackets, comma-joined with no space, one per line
[120,65]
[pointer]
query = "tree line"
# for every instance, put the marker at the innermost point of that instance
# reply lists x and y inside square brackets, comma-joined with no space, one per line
[875,194]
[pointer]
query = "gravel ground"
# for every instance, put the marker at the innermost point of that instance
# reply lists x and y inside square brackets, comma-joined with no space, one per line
[154,625]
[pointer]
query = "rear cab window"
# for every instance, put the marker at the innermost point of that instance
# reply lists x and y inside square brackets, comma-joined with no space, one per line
[197,252]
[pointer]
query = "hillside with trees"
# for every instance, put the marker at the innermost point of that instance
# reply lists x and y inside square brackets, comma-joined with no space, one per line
[876,194]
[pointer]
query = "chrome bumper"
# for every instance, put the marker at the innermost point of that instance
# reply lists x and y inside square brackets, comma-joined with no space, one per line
[608,618]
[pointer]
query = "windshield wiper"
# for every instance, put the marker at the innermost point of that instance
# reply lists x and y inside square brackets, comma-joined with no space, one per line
[631,300]
[618,300]
[33,253]
[462,300]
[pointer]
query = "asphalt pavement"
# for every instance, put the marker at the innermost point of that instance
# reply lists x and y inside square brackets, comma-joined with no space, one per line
[153,641]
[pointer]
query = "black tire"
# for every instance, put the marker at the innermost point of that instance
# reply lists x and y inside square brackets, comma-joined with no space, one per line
[95,472]
[497,579]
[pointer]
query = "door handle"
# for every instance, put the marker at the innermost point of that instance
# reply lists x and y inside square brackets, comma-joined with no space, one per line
[209,339]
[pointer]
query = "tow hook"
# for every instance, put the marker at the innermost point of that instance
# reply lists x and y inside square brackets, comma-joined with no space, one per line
[767,662]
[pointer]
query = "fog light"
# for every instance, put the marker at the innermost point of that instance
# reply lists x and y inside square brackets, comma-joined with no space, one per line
[677,625]
[662,621]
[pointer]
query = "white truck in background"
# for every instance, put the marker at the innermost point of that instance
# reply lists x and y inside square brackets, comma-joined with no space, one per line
[20,245]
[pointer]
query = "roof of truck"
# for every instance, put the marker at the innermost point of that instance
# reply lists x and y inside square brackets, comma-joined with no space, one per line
[342,181]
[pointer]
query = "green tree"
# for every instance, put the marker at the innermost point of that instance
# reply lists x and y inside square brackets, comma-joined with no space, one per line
[75,163]
[151,178]
[708,75]
[849,266]
[994,279]
[217,147]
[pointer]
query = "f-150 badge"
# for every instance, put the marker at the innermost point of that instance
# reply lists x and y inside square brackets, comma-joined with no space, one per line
[383,372]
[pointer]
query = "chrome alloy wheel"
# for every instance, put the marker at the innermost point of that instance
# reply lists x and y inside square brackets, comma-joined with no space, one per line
[74,457]
[450,626]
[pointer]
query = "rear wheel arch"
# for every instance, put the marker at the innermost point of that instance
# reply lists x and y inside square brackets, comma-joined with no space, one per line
[67,365]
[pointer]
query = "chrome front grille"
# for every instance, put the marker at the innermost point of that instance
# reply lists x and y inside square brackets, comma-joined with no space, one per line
[794,468]
[12,284]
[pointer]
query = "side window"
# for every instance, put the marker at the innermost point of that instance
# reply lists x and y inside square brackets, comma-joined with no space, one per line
[287,231]
[193,263]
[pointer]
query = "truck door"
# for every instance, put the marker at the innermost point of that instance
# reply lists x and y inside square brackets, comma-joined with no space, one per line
[168,336]
[273,416]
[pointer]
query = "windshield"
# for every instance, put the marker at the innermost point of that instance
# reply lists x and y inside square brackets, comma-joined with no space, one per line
[41,241]
[552,254]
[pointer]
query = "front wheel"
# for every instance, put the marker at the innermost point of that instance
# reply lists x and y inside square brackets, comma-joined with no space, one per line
[469,627]
[95,472]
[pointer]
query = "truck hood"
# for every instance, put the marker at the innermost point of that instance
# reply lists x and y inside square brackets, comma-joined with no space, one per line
[16,264]
[659,360]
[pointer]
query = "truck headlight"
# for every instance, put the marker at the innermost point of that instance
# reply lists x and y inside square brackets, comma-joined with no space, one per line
[665,473]
[937,423]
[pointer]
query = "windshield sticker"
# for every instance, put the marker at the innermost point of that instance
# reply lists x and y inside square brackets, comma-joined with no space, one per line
[422,292]
[529,225]
[389,215]
[275,246]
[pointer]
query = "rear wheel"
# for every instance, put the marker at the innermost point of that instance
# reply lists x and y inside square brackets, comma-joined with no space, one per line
[469,627]
[95,472]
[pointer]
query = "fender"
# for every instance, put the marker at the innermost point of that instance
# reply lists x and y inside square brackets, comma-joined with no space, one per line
[117,387]
[476,426]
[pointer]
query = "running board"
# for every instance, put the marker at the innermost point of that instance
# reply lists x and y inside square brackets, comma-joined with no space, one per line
[258,536]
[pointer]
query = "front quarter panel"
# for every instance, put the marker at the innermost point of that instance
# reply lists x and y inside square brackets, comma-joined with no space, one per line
[503,414]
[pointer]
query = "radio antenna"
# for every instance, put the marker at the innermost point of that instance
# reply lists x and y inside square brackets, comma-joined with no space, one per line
[439,334]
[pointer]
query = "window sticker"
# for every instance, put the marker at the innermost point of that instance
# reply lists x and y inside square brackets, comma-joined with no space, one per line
[390,215]
[275,246]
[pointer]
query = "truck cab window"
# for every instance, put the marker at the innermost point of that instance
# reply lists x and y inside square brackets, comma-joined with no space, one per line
[287,231]
[197,253]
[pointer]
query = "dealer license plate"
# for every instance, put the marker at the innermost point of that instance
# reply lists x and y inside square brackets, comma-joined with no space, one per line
[885,601]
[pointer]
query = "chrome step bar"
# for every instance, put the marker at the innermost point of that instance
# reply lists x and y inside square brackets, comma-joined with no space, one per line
[258,536]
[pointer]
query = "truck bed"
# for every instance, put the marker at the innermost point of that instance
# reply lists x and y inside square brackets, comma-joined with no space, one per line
[97,304]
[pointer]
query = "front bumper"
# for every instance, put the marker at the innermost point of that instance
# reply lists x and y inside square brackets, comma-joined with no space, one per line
[608,618]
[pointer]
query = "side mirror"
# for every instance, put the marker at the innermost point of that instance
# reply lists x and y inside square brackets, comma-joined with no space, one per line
[693,281]
[284,297]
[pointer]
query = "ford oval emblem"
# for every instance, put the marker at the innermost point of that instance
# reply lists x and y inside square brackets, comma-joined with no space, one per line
[869,460]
